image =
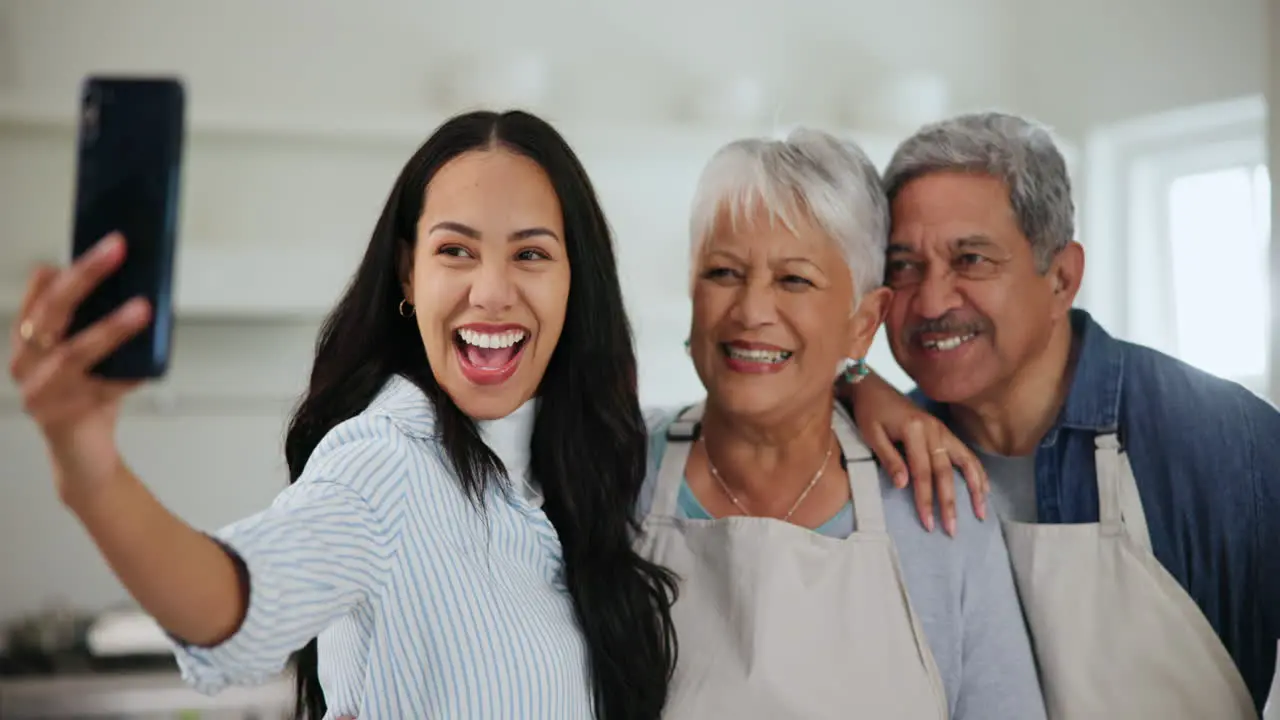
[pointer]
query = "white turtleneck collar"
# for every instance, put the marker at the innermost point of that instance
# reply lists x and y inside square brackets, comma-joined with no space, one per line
[510,438]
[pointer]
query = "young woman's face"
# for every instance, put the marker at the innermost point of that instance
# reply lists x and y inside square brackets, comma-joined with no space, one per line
[489,279]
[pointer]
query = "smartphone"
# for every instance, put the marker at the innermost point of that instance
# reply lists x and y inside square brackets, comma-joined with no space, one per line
[128,176]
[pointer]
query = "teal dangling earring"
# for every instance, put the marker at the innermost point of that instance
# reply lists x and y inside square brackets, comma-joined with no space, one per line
[855,371]
[686,346]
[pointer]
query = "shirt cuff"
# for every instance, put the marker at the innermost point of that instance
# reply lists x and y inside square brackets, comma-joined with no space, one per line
[243,658]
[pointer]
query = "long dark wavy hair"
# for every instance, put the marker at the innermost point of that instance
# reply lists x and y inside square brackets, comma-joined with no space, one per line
[588,441]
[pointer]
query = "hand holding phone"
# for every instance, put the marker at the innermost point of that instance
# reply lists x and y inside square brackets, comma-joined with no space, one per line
[75,409]
[87,334]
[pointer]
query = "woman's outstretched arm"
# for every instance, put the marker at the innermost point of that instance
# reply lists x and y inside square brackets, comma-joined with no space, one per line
[276,579]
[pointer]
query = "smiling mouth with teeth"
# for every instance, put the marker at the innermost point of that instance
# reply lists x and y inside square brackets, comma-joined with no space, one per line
[950,342]
[768,357]
[489,351]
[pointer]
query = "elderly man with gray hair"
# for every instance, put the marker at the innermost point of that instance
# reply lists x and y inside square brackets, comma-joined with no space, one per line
[1140,497]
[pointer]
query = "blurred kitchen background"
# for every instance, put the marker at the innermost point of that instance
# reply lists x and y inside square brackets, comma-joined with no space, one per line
[301,112]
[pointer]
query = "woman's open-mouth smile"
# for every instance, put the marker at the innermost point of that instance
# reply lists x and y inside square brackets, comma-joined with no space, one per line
[751,357]
[490,354]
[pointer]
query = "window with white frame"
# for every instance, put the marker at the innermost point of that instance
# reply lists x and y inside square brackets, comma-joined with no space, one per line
[1179,207]
[1219,225]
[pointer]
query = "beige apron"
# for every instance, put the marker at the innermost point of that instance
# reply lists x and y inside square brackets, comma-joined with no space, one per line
[778,622]
[1114,634]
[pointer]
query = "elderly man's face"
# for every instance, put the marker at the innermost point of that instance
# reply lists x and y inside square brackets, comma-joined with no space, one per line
[772,317]
[969,310]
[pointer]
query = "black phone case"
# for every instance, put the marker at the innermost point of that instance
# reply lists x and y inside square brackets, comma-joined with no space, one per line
[128,179]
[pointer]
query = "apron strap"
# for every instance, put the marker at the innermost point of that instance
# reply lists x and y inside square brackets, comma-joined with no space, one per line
[1119,505]
[681,435]
[864,475]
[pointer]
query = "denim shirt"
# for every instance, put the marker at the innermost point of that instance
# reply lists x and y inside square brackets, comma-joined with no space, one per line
[1205,454]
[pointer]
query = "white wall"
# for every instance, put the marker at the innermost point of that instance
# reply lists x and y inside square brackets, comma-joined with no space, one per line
[657,58]
[302,113]
[1092,62]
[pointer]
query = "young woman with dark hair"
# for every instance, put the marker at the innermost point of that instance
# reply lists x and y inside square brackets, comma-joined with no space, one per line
[456,540]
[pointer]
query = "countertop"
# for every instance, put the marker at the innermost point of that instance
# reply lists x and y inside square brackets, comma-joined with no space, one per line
[103,695]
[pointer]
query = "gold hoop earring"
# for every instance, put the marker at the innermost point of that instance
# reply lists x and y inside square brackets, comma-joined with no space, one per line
[406,308]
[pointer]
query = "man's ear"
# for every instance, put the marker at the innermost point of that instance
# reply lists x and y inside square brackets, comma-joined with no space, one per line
[1067,272]
[866,321]
[404,268]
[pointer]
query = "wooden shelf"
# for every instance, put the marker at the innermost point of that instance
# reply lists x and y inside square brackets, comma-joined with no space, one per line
[363,130]
[409,130]
[37,114]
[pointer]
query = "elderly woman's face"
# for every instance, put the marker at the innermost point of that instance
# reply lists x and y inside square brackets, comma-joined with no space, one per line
[772,316]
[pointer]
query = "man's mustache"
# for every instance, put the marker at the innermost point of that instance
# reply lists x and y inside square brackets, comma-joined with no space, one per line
[949,324]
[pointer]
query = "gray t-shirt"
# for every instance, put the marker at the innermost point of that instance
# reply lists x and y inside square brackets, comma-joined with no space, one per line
[1013,484]
[961,588]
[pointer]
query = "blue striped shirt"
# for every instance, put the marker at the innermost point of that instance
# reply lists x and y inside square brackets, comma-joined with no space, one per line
[424,607]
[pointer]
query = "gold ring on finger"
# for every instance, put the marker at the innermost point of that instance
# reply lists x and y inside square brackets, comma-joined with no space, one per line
[27,333]
[938,451]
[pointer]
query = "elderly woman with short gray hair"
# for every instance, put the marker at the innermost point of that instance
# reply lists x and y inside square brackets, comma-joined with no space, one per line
[808,587]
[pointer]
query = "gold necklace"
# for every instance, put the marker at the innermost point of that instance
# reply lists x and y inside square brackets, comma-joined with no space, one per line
[831,444]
